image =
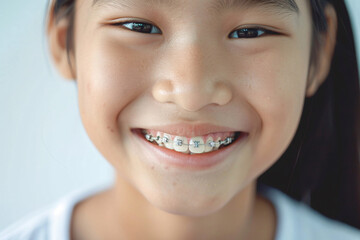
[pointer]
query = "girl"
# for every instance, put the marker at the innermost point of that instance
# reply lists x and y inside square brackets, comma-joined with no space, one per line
[204,108]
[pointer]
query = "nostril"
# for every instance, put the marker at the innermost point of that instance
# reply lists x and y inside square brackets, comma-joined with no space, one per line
[192,97]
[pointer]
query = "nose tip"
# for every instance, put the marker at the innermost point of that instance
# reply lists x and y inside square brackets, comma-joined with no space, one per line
[192,97]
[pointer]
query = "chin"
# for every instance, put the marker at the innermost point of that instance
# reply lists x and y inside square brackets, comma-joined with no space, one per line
[188,206]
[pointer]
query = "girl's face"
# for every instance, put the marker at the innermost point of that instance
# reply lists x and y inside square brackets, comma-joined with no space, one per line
[186,64]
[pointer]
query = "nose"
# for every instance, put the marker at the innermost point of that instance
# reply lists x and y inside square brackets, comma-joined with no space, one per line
[192,78]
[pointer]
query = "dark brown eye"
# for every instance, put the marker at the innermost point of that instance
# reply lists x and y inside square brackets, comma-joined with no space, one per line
[249,33]
[140,27]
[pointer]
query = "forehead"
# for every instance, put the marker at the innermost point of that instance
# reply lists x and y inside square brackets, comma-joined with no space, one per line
[283,6]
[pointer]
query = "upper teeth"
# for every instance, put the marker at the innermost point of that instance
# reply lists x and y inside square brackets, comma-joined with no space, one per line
[195,145]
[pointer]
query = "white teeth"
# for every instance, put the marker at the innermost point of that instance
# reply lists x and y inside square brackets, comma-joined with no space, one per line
[196,145]
[217,143]
[159,139]
[208,145]
[167,141]
[180,144]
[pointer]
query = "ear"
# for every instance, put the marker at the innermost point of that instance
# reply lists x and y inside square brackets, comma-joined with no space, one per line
[57,34]
[319,72]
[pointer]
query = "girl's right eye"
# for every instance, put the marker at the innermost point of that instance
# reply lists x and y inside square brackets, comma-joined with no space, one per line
[140,27]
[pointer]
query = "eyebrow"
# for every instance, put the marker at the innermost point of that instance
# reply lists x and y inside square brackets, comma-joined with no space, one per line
[288,6]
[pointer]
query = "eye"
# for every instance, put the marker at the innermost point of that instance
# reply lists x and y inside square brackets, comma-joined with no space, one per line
[140,27]
[250,33]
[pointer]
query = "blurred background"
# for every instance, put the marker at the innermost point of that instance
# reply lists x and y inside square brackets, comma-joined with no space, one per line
[44,150]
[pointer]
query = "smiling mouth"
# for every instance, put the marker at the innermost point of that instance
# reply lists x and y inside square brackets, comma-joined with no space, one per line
[191,145]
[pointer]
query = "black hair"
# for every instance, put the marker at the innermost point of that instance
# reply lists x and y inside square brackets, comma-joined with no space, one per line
[321,166]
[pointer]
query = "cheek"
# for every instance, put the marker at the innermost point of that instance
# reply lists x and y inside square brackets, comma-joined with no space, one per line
[274,86]
[109,78]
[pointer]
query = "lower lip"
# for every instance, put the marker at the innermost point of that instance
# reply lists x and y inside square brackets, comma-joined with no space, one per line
[196,162]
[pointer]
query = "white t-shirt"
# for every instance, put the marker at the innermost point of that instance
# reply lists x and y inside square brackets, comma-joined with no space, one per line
[295,221]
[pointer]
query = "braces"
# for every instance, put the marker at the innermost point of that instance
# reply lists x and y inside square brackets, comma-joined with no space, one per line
[179,142]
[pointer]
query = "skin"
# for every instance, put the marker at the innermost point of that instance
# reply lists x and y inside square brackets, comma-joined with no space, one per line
[191,73]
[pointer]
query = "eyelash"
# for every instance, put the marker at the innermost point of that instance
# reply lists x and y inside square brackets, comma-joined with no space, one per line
[141,25]
[246,32]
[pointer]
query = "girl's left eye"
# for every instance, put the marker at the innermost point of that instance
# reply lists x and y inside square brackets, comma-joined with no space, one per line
[140,27]
[250,33]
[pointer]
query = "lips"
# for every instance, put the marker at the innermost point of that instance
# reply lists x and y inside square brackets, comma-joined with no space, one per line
[190,138]
[152,153]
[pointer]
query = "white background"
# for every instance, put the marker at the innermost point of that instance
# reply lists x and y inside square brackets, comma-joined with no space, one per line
[44,150]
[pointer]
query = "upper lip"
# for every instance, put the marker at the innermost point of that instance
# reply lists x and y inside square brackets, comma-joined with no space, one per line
[191,130]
